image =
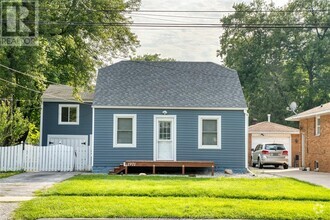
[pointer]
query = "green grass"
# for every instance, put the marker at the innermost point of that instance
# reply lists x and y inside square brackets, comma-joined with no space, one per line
[155,186]
[169,207]
[101,196]
[8,174]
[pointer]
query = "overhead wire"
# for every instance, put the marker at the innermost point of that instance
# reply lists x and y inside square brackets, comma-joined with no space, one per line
[176,16]
[29,75]
[184,25]
[182,11]
[33,90]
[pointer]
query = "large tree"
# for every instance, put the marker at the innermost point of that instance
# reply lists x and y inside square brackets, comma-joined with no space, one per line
[281,54]
[75,38]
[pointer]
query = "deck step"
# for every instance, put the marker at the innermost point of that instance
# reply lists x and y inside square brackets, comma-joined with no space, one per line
[117,170]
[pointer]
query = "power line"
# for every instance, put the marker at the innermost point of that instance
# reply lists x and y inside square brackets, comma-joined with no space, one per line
[29,75]
[183,25]
[150,17]
[36,91]
[176,16]
[33,90]
[183,11]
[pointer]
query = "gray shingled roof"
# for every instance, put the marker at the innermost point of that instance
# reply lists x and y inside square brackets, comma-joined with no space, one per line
[64,93]
[168,84]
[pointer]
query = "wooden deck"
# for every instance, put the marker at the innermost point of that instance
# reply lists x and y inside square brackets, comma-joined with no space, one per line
[179,164]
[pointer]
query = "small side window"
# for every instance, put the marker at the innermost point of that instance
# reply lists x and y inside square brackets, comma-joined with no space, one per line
[317,125]
[209,132]
[124,130]
[68,114]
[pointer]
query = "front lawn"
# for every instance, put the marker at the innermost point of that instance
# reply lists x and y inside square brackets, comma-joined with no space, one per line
[101,196]
[169,207]
[156,186]
[8,174]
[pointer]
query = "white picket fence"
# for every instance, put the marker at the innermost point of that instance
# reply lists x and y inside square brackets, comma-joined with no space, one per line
[49,158]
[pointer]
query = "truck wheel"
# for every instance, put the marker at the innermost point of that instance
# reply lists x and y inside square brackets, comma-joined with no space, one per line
[285,166]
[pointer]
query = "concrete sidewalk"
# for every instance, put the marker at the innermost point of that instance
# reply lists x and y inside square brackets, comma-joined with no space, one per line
[21,187]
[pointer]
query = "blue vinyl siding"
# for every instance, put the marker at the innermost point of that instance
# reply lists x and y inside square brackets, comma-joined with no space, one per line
[51,126]
[231,155]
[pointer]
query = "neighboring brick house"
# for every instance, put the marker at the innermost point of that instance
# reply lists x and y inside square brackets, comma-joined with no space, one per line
[269,132]
[314,125]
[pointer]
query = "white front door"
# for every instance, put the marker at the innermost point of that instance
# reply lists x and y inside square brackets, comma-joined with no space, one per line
[164,138]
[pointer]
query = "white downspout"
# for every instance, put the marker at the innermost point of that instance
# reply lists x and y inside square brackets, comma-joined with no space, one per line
[41,122]
[246,138]
[93,130]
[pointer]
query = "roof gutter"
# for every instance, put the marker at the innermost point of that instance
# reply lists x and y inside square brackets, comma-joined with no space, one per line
[297,117]
[65,100]
[279,132]
[168,108]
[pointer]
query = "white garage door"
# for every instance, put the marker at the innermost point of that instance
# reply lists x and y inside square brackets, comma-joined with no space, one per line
[284,139]
[69,140]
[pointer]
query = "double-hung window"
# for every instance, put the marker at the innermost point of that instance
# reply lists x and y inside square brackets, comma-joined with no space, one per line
[68,114]
[124,130]
[209,132]
[317,125]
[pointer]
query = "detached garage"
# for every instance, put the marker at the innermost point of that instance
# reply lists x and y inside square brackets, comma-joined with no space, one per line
[269,132]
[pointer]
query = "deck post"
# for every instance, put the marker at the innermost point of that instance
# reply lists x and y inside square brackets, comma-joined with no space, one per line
[212,170]
[126,170]
[153,169]
[183,171]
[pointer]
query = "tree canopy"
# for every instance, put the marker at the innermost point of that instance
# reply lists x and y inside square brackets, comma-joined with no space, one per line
[151,57]
[75,38]
[281,55]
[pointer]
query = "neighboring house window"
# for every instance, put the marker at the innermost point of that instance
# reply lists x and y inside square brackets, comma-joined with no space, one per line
[124,130]
[318,126]
[68,114]
[209,132]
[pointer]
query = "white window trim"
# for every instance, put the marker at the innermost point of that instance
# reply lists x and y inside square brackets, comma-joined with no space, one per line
[60,106]
[317,125]
[115,125]
[200,130]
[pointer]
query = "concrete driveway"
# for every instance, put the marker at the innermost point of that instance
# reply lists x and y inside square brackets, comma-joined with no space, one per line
[317,178]
[21,187]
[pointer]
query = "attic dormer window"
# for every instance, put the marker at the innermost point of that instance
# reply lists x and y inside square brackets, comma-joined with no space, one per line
[68,114]
[317,125]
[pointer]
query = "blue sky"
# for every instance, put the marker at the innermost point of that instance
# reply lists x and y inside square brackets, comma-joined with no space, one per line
[183,44]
